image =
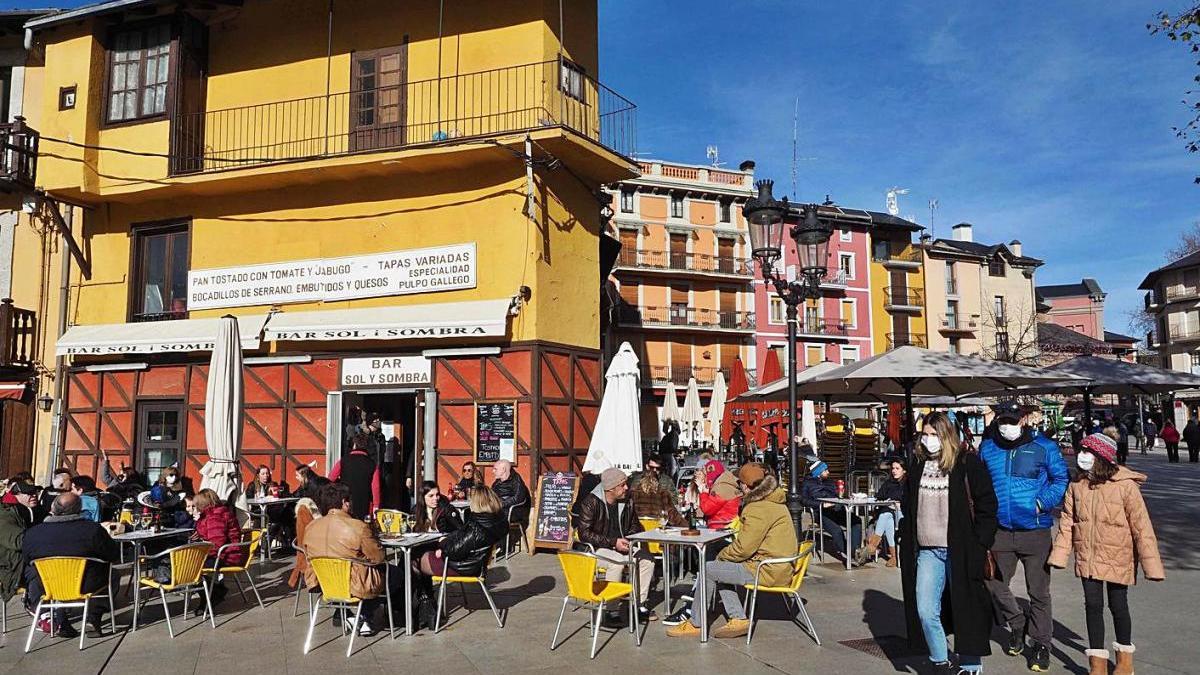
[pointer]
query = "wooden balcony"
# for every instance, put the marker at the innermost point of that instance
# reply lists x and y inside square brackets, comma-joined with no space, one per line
[18,156]
[18,336]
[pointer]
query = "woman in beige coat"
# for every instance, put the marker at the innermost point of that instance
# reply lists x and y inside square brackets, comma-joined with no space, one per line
[1106,524]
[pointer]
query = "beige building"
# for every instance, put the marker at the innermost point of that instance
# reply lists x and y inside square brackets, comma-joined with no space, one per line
[980,297]
[1173,298]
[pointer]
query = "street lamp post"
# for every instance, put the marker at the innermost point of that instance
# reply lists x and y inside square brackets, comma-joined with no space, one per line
[811,236]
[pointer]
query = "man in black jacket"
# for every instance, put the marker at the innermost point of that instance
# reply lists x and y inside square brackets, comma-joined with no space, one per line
[606,518]
[512,492]
[65,532]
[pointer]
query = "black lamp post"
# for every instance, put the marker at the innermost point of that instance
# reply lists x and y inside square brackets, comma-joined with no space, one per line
[811,236]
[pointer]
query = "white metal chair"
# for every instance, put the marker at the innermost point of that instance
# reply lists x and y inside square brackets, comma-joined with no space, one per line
[62,587]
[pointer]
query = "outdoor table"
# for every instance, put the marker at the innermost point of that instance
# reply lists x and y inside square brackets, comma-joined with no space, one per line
[405,543]
[264,550]
[851,505]
[138,539]
[675,537]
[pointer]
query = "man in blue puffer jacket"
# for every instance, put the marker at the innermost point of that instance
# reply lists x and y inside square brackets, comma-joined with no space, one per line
[1030,478]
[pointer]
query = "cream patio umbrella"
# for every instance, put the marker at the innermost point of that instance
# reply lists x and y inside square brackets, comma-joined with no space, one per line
[691,418]
[223,413]
[670,407]
[716,410]
[617,438]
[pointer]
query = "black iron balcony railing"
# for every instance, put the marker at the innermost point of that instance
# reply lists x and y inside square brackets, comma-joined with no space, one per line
[906,255]
[903,297]
[905,339]
[960,322]
[18,155]
[439,110]
[686,262]
[686,317]
[158,316]
[660,376]
[816,326]
[18,336]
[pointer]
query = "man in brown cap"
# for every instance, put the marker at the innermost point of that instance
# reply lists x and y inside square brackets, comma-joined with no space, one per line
[606,518]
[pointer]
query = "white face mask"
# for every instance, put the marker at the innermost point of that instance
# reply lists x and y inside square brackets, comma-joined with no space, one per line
[1085,460]
[1010,432]
[933,444]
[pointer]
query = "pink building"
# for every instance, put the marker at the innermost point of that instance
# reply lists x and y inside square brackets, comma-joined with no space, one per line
[837,327]
[1079,307]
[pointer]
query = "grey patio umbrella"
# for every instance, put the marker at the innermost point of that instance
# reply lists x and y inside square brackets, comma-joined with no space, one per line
[908,371]
[1095,376]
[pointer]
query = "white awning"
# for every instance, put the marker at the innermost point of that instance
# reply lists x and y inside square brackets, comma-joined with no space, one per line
[154,337]
[470,319]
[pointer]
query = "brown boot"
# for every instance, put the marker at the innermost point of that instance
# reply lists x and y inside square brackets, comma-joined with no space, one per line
[867,550]
[1098,662]
[1124,654]
[893,557]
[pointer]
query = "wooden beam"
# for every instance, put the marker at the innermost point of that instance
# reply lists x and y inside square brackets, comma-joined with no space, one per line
[76,252]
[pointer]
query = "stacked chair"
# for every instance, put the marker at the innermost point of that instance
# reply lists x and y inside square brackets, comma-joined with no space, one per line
[864,462]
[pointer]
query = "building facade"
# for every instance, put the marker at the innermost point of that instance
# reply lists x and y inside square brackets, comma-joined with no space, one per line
[1079,307]
[1173,301]
[403,220]
[981,297]
[684,276]
[899,307]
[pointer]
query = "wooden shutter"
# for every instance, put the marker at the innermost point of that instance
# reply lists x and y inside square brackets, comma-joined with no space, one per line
[847,312]
[681,362]
[189,100]
[629,292]
[380,102]
[679,251]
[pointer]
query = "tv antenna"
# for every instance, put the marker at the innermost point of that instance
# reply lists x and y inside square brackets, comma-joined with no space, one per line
[933,206]
[795,146]
[893,201]
[714,156]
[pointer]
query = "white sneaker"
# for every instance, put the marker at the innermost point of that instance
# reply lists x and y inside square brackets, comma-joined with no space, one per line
[364,629]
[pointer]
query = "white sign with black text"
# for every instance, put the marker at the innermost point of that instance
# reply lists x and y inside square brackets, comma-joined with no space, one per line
[380,371]
[425,270]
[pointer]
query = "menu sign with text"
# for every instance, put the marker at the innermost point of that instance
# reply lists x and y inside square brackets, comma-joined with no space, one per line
[495,431]
[555,494]
[424,270]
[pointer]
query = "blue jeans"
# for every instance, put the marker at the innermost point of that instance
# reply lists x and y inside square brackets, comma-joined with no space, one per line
[885,526]
[933,573]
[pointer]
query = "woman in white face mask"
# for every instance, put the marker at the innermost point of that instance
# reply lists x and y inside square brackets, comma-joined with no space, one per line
[943,544]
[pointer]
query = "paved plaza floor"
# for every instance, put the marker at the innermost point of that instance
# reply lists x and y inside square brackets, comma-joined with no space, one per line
[858,616]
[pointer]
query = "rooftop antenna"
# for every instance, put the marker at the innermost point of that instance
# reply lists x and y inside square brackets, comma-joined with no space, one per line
[795,147]
[893,203]
[933,206]
[714,156]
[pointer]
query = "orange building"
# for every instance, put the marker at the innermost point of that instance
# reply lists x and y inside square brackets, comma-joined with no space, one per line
[684,276]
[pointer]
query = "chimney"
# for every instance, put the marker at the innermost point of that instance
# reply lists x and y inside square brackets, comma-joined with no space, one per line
[1015,247]
[747,166]
[962,232]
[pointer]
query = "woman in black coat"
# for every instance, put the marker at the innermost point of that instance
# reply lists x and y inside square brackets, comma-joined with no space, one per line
[943,547]
[433,512]
[466,550]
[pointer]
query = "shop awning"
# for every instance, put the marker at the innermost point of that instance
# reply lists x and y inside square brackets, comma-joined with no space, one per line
[13,390]
[454,320]
[154,337]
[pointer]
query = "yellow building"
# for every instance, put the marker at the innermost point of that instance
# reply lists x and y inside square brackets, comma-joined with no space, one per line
[685,276]
[981,297]
[898,314]
[401,207]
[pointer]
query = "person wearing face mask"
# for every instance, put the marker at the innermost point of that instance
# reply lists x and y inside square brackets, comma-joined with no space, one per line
[1030,479]
[1106,524]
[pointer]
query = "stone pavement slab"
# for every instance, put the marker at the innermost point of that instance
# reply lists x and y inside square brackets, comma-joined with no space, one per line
[861,607]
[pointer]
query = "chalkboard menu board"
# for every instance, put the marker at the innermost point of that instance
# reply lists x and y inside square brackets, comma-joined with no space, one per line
[552,521]
[495,431]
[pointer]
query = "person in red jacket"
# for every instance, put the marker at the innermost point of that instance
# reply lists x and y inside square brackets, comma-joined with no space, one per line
[720,501]
[216,524]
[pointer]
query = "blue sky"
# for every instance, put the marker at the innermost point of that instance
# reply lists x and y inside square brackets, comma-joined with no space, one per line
[1048,122]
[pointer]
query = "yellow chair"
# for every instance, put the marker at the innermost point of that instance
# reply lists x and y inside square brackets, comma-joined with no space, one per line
[251,547]
[392,521]
[650,525]
[462,581]
[62,584]
[333,576]
[799,563]
[4,610]
[584,590]
[187,577]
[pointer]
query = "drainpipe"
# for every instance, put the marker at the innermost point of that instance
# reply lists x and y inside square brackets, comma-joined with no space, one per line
[530,201]
[57,428]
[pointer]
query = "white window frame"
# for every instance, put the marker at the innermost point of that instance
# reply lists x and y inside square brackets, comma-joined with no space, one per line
[683,210]
[853,325]
[853,349]
[844,234]
[772,303]
[782,354]
[853,263]
[632,200]
[813,345]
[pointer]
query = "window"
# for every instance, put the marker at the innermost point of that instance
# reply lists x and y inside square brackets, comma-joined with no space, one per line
[1002,346]
[951,314]
[846,264]
[726,211]
[813,354]
[778,313]
[781,354]
[139,69]
[571,79]
[881,249]
[849,313]
[996,267]
[849,355]
[951,279]
[998,313]
[844,234]
[626,201]
[676,206]
[160,272]
[1195,364]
